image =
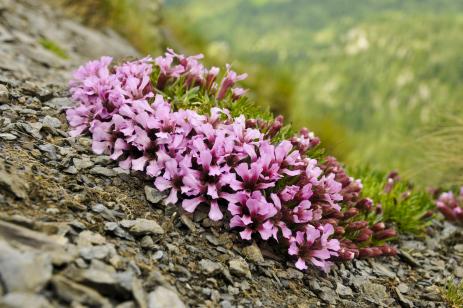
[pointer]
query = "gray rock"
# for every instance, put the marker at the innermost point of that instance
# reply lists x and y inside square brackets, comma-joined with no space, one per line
[51,122]
[11,181]
[328,295]
[24,271]
[375,293]
[239,267]
[253,253]
[21,300]
[343,290]
[382,270]
[226,304]
[294,274]
[87,238]
[118,231]
[70,291]
[153,195]
[413,245]
[96,252]
[98,170]
[458,248]
[128,304]
[60,102]
[49,149]
[147,242]
[106,213]
[449,231]
[82,163]
[157,255]
[25,127]
[187,222]
[8,136]
[209,267]
[139,294]
[458,272]
[143,226]
[102,277]
[71,170]
[404,302]
[25,239]
[4,94]
[403,288]
[164,298]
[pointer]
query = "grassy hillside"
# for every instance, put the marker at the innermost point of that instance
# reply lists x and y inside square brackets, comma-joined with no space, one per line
[368,76]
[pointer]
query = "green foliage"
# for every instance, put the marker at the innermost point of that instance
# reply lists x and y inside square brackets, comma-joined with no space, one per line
[54,48]
[404,206]
[200,100]
[441,163]
[453,293]
[366,76]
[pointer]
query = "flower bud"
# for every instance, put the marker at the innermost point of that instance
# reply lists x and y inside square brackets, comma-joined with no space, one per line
[251,123]
[388,250]
[379,209]
[376,251]
[378,226]
[350,213]
[314,142]
[346,254]
[357,225]
[304,132]
[330,221]
[447,212]
[364,235]
[427,215]
[365,204]
[385,234]
[339,230]
[406,194]
[458,212]
[337,215]
[365,252]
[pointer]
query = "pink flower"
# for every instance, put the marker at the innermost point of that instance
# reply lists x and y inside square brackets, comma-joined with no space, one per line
[252,213]
[206,183]
[449,206]
[134,78]
[172,178]
[79,119]
[313,245]
[228,81]
[237,93]
[302,212]
[250,177]
[328,190]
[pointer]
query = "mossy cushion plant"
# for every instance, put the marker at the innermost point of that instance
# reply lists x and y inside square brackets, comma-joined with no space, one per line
[196,135]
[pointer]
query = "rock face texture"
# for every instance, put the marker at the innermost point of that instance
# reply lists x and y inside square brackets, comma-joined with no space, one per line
[77,231]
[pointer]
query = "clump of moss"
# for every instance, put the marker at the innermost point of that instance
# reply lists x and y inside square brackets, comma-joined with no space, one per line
[53,47]
[403,205]
[453,293]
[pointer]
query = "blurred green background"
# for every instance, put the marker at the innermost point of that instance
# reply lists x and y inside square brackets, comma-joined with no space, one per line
[378,80]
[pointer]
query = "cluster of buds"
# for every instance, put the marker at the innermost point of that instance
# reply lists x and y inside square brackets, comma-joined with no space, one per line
[357,235]
[190,72]
[451,206]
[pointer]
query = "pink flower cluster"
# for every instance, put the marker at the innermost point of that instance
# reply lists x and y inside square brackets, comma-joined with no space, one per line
[227,166]
[451,206]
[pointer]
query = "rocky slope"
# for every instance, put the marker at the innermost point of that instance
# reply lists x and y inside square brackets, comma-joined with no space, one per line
[76,231]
